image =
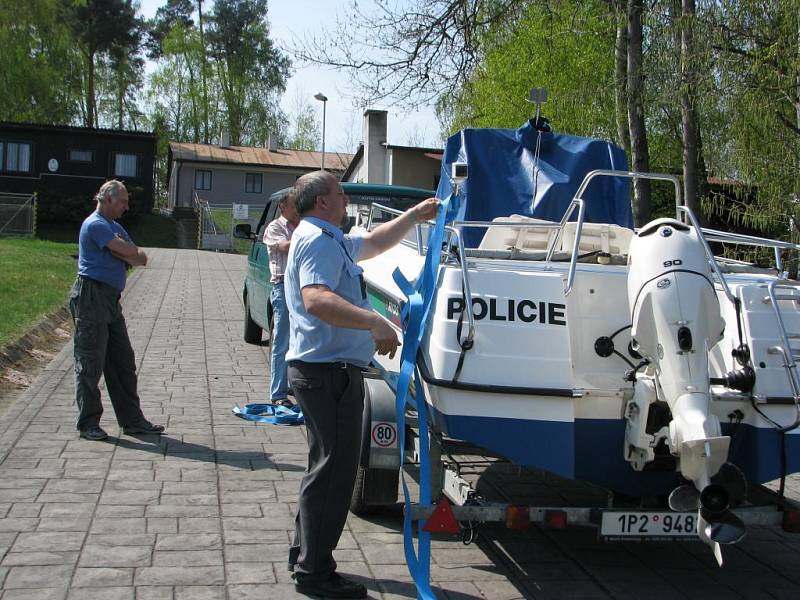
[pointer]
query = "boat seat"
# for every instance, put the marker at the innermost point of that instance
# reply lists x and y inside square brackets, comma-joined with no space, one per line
[513,238]
[595,237]
[598,237]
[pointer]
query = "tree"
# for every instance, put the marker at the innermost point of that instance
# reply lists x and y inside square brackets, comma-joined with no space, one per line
[304,130]
[38,81]
[250,70]
[412,55]
[100,26]
[757,51]
[640,155]
[167,18]
[568,50]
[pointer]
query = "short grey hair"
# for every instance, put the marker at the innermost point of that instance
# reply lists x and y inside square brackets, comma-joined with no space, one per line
[110,189]
[309,186]
[286,197]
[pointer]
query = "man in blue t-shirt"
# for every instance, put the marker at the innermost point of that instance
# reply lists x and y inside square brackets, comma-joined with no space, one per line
[101,344]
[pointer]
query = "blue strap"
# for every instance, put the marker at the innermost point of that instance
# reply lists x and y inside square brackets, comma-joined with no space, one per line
[274,414]
[414,317]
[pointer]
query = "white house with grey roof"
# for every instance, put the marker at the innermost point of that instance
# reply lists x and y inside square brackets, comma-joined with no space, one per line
[239,174]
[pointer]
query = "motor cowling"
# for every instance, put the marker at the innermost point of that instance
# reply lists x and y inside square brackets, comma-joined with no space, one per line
[676,320]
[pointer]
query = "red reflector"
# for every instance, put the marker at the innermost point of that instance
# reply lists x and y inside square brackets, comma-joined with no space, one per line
[556,519]
[791,521]
[517,517]
[442,519]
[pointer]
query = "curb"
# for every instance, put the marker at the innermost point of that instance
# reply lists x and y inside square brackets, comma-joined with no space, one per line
[21,347]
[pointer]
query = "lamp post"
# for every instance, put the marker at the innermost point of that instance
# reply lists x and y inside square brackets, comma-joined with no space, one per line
[324,99]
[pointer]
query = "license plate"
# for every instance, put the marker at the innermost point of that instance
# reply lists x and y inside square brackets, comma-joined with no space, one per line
[648,525]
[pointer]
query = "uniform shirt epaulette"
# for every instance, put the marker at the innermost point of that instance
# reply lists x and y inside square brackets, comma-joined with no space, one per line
[326,232]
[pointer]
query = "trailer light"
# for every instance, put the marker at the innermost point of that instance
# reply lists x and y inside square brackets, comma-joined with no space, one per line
[555,519]
[517,517]
[791,521]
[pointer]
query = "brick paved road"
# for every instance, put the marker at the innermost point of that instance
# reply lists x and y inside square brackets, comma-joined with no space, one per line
[205,512]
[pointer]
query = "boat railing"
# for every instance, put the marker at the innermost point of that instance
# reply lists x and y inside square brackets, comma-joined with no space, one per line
[705,235]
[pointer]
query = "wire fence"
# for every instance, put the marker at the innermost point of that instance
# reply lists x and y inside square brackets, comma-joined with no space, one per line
[17,214]
[216,223]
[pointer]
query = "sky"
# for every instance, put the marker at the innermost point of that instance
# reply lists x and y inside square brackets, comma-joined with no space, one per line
[291,20]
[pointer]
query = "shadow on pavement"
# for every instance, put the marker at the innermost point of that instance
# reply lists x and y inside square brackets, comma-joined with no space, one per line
[165,445]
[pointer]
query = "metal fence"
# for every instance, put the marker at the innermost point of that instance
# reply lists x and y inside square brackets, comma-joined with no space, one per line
[216,223]
[17,214]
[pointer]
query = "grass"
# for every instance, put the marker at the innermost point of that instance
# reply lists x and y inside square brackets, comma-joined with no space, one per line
[223,218]
[36,274]
[35,277]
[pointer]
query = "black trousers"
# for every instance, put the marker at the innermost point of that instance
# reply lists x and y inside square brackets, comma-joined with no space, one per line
[102,347]
[332,399]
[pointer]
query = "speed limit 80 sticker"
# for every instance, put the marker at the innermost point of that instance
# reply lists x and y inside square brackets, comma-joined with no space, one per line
[384,435]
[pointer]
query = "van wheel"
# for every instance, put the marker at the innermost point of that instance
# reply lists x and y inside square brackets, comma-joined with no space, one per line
[252,332]
[375,489]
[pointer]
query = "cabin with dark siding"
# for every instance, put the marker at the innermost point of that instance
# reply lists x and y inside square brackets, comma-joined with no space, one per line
[63,163]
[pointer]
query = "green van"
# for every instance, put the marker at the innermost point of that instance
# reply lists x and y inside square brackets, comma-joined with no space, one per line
[257,286]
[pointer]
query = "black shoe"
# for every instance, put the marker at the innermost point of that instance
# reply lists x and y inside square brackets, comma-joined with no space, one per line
[94,433]
[142,427]
[334,587]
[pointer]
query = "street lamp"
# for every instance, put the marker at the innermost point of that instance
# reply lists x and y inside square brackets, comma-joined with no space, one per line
[324,99]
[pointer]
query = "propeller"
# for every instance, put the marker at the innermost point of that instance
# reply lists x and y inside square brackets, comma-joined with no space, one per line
[717,524]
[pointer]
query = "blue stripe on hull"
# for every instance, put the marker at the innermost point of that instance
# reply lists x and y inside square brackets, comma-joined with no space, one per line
[592,450]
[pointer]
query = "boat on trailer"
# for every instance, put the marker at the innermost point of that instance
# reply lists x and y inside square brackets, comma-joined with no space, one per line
[635,360]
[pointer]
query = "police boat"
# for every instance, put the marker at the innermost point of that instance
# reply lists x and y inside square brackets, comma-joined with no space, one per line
[562,339]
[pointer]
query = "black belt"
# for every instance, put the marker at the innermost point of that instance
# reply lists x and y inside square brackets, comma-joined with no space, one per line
[339,364]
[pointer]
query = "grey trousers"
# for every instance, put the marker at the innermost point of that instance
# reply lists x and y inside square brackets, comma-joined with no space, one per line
[102,347]
[332,399]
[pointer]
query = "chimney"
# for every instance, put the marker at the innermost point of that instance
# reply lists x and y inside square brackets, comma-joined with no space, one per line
[374,134]
[224,138]
[272,143]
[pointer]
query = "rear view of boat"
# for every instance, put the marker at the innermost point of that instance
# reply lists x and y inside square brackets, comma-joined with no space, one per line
[639,362]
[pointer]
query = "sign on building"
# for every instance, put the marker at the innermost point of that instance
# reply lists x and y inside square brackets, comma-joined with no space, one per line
[240,211]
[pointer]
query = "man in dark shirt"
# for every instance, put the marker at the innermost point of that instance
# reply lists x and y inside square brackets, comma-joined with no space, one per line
[101,343]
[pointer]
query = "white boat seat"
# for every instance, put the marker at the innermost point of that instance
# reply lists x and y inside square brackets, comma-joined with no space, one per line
[598,237]
[518,238]
[595,237]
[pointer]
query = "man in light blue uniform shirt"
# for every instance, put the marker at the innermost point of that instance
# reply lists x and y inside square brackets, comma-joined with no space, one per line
[101,343]
[333,336]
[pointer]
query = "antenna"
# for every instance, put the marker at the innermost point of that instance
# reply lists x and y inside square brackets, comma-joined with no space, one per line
[537,96]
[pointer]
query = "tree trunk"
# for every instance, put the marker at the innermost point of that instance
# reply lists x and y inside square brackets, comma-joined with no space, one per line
[90,107]
[120,98]
[203,71]
[690,131]
[640,156]
[620,78]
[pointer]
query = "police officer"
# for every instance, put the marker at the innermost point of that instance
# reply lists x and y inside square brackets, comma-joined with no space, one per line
[333,335]
[101,343]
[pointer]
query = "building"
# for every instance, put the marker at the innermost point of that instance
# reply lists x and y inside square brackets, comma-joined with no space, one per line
[239,174]
[62,162]
[376,161]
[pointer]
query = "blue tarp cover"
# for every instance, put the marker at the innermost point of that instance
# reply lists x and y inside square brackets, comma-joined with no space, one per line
[503,177]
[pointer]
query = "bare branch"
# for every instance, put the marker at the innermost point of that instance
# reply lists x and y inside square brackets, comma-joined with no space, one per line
[409,54]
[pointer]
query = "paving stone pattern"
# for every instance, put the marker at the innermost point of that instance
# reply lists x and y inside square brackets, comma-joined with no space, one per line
[206,511]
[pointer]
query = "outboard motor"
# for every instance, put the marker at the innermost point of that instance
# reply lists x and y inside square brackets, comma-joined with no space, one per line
[676,320]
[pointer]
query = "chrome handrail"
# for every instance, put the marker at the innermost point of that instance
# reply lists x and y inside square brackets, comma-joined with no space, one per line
[712,261]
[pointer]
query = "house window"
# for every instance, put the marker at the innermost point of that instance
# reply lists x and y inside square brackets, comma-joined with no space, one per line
[252,183]
[84,156]
[15,156]
[124,165]
[202,180]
